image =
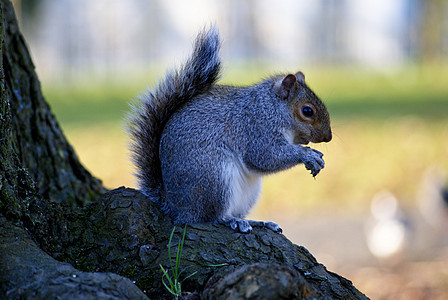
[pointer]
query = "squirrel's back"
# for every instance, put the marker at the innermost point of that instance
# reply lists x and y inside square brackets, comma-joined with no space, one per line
[196,76]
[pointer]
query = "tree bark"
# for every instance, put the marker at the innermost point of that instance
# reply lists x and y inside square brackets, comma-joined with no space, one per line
[62,235]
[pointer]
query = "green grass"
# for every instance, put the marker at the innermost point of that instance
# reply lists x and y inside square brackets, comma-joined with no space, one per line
[173,282]
[389,127]
[90,104]
[349,94]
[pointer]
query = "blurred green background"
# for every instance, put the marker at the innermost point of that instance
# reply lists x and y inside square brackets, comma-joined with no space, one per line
[381,67]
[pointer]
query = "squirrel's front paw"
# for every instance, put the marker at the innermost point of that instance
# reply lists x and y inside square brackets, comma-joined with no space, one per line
[312,159]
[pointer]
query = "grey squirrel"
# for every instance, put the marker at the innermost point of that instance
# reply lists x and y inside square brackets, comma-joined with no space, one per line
[200,149]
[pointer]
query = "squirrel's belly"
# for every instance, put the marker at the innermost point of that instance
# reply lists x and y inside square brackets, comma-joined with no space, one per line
[244,187]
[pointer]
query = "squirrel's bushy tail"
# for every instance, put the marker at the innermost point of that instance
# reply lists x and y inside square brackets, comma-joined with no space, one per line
[148,120]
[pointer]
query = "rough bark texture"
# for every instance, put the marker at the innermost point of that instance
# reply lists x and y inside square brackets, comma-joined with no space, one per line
[40,173]
[28,272]
[128,235]
[61,236]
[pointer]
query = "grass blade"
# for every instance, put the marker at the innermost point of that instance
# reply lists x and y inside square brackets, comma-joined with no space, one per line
[179,252]
[169,247]
[165,274]
[189,275]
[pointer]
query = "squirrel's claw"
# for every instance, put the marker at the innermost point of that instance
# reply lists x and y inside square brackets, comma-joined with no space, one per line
[245,226]
[237,224]
[312,159]
[273,226]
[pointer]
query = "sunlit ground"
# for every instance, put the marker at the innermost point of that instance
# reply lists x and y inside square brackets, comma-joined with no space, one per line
[389,129]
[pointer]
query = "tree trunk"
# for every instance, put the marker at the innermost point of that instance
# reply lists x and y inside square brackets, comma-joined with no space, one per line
[62,235]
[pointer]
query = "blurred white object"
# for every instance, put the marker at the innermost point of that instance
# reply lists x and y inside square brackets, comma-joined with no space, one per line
[387,231]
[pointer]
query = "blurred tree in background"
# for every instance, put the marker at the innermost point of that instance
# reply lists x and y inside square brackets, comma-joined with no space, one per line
[74,37]
[433,35]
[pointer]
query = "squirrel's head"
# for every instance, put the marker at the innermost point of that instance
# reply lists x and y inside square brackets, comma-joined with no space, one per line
[311,117]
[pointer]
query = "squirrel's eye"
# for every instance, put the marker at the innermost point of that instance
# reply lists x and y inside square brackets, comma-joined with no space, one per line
[307,111]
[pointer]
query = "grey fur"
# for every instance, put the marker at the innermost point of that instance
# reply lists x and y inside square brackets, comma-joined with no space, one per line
[215,142]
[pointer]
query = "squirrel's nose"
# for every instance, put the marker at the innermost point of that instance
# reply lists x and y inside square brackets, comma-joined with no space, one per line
[328,137]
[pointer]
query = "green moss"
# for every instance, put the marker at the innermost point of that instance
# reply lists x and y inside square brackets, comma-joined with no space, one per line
[146,281]
[90,268]
[5,198]
[129,271]
[81,265]
[8,202]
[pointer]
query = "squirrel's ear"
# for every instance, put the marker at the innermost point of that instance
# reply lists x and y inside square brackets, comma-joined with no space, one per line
[300,77]
[288,86]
